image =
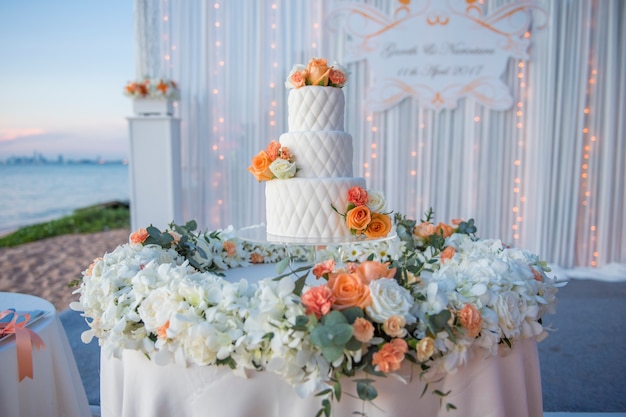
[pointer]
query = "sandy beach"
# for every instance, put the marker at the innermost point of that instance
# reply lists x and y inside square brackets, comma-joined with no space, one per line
[46,267]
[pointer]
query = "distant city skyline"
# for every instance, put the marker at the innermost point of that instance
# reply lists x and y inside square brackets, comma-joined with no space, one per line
[64,66]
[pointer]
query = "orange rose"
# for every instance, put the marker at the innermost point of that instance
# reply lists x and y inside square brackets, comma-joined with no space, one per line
[358,218]
[324,268]
[471,320]
[447,253]
[142,89]
[162,331]
[363,330]
[425,349]
[139,236]
[318,71]
[444,229]
[260,167]
[357,195]
[390,356]
[379,226]
[230,248]
[369,271]
[318,300]
[256,258]
[424,230]
[272,151]
[348,291]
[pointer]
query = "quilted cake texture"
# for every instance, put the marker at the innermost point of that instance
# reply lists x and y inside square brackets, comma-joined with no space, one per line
[316,108]
[301,207]
[320,154]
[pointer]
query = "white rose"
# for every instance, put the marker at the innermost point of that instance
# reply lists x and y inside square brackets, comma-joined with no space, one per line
[195,344]
[156,309]
[376,201]
[509,315]
[283,169]
[389,299]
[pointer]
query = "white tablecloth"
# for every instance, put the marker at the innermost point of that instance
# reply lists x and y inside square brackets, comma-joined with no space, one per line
[56,388]
[508,385]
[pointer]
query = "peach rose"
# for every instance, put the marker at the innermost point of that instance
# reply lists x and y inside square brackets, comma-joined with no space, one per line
[447,253]
[471,319]
[256,258]
[390,356]
[379,226]
[444,229]
[273,150]
[357,195]
[369,271]
[139,236]
[324,268]
[230,248]
[298,78]
[358,218]
[318,72]
[394,326]
[348,291]
[363,330]
[424,230]
[337,77]
[318,300]
[425,349]
[260,167]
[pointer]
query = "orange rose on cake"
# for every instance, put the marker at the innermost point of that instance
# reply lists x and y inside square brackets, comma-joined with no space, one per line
[358,219]
[380,226]
[260,167]
[318,72]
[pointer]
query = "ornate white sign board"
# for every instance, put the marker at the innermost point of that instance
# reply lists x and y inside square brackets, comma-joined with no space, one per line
[435,51]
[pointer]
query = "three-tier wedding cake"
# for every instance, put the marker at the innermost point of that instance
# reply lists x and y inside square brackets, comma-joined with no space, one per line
[309,170]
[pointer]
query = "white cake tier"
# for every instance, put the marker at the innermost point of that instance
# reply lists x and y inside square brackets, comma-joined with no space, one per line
[316,108]
[320,154]
[301,207]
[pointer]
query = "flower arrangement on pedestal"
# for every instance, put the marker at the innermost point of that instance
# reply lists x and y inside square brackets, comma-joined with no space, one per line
[152,96]
[427,296]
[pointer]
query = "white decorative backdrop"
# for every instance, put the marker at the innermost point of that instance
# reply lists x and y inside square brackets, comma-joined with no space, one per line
[548,175]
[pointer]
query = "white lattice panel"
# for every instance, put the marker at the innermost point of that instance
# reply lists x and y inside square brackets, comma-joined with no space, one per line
[320,154]
[316,108]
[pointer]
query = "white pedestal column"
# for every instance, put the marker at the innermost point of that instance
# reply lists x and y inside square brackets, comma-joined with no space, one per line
[155,171]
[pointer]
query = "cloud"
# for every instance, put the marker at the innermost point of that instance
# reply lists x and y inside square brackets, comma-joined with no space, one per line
[13,134]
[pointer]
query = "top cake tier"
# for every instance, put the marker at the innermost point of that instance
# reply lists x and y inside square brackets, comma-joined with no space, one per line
[314,108]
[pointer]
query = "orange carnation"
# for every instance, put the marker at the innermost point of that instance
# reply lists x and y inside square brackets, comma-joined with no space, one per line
[379,226]
[139,236]
[390,356]
[260,167]
[272,151]
[318,300]
[348,291]
[323,268]
[471,320]
[358,218]
[447,253]
[357,195]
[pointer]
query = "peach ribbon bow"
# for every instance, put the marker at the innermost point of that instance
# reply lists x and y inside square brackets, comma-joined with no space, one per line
[25,340]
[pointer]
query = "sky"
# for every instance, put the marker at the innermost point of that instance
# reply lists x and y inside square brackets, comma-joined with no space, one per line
[63,66]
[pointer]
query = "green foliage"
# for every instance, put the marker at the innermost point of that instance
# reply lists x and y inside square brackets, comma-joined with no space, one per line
[92,219]
[332,335]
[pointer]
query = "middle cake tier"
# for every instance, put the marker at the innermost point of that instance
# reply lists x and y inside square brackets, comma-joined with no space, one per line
[302,207]
[320,154]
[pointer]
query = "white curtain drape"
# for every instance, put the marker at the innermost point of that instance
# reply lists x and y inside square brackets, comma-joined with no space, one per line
[547,175]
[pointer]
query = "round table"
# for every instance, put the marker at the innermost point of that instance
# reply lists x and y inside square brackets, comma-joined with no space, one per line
[56,388]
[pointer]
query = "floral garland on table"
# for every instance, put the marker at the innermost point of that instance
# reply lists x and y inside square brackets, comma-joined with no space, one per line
[151,88]
[427,296]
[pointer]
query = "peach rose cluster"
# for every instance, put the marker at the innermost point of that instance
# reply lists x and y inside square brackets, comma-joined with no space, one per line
[425,230]
[364,214]
[318,73]
[276,161]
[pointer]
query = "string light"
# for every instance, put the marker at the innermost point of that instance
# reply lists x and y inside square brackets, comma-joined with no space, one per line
[518,198]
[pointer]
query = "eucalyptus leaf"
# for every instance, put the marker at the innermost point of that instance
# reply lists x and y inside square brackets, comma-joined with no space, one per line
[365,391]
[282,265]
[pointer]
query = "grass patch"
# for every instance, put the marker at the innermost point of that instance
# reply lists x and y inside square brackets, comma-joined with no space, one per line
[98,218]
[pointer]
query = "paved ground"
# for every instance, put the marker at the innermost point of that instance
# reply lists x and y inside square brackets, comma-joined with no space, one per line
[583,362]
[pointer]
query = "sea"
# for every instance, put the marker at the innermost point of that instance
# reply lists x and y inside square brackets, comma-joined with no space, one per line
[31,194]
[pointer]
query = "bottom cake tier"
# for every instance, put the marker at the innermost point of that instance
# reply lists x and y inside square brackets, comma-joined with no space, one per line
[302,207]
